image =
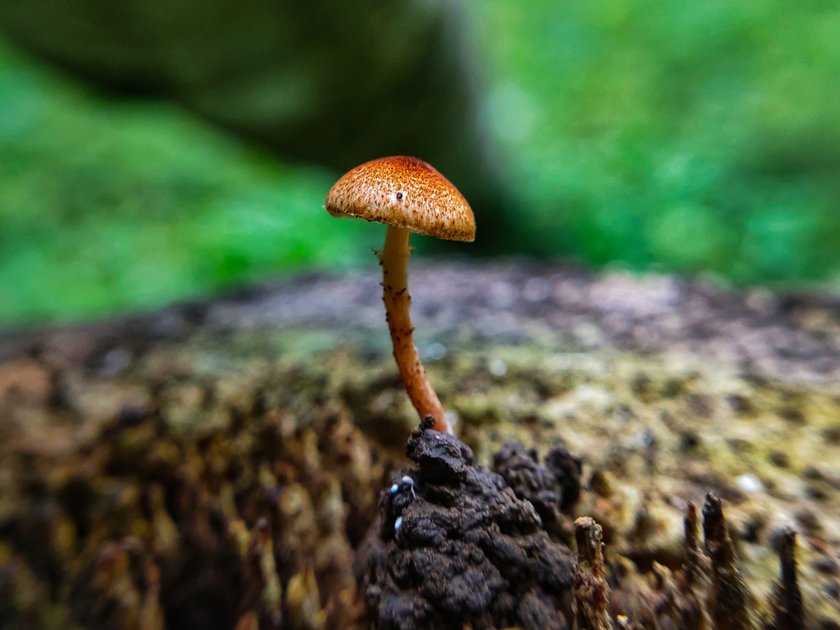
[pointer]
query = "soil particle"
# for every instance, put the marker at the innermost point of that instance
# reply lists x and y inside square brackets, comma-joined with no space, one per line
[552,489]
[454,546]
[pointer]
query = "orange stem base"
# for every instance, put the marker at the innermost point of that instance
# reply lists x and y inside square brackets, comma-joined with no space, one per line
[394,260]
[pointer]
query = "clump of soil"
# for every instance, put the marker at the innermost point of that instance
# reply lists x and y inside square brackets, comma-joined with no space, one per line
[552,489]
[455,545]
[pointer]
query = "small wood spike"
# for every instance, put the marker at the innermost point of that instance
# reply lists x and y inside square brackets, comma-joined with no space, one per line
[788,610]
[591,591]
[729,601]
[694,578]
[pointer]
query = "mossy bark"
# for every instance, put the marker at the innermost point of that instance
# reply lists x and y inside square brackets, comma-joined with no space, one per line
[150,464]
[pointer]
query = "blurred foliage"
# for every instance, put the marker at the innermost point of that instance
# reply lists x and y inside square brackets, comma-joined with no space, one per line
[693,137]
[107,205]
[700,137]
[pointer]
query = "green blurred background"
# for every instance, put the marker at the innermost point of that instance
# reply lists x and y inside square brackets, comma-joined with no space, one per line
[695,138]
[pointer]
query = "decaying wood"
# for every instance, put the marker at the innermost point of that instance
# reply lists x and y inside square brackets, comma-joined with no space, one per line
[222,461]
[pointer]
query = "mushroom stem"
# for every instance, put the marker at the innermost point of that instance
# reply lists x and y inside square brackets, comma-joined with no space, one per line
[394,260]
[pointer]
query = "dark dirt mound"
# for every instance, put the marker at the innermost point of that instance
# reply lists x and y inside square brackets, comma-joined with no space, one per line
[455,545]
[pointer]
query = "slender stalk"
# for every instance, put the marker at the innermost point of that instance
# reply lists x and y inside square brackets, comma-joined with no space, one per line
[394,260]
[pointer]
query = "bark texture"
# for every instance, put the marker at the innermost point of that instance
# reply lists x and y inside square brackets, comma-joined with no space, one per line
[218,464]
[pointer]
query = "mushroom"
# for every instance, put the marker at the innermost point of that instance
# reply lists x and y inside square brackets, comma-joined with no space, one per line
[409,196]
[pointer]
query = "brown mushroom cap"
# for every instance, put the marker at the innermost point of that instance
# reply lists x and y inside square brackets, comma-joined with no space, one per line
[404,192]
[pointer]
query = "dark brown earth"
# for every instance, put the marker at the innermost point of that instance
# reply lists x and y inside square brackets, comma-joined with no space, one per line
[456,546]
[219,464]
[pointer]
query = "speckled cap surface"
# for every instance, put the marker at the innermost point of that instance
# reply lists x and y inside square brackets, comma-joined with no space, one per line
[404,192]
